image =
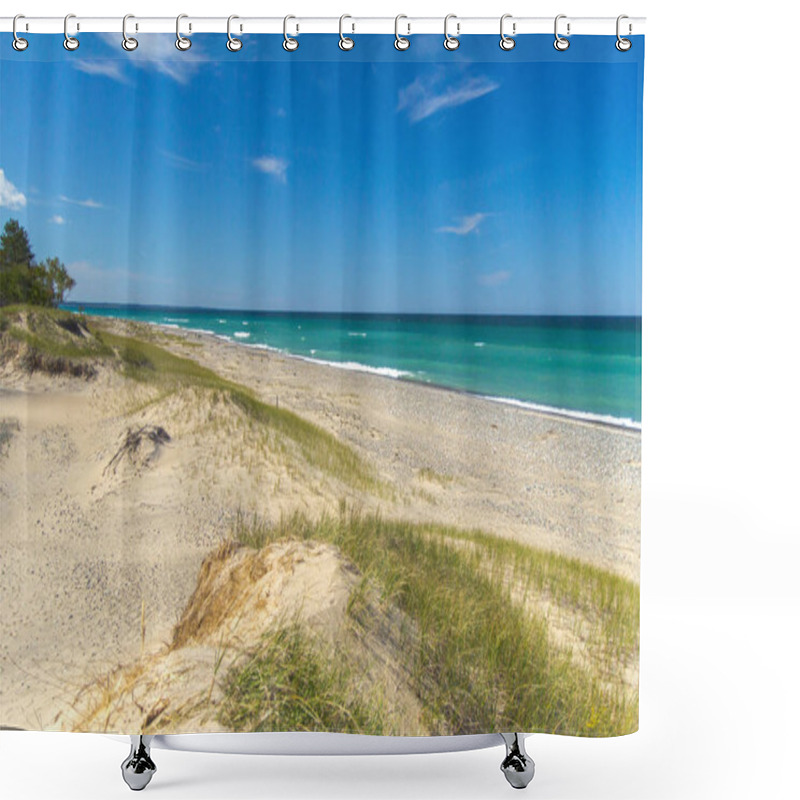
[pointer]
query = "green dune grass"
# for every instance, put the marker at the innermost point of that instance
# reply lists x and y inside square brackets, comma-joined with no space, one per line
[481,660]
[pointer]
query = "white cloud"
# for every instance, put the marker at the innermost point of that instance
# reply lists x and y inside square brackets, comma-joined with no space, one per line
[157,52]
[10,196]
[181,162]
[427,95]
[468,224]
[494,278]
[108,69]
[88,203]
[57,219]
[272,165]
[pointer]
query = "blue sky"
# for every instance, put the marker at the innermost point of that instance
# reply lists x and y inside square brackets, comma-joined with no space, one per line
[424,181]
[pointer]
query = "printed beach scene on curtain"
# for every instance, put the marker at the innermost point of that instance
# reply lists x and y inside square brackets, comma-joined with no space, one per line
[320,387]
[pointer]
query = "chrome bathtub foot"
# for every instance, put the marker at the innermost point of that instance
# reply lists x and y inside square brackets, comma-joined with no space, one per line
[517,766]
[138,768]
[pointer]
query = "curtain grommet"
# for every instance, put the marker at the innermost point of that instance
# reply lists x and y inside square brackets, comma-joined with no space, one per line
[451,42]
[290,44]
[18,43]
[70,42]
[561,43]
[233,44]
[345,42]
[401,43]
[507,42]
[128,42]
[182,42]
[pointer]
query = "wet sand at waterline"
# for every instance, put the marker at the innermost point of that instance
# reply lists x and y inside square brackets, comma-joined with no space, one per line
[93,544]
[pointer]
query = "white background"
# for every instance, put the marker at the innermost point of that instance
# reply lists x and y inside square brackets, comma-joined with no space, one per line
[720,705]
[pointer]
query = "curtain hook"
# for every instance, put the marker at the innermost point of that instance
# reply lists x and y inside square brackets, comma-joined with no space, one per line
[622,43]
[70,42]
[128,42]
[233,44]
[181,42]
[507,42]
[345,42]
[561,43]
[289,44]
[401,42]
[19,44]
[451,42]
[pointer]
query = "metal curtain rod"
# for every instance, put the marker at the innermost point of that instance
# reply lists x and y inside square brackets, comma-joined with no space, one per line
[408,25]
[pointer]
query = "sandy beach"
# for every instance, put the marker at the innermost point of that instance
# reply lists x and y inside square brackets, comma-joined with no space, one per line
[92,545]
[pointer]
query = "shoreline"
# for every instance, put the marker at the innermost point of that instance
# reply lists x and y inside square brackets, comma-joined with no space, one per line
[588,417]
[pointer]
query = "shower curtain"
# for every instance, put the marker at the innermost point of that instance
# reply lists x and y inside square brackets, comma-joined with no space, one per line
[320,379]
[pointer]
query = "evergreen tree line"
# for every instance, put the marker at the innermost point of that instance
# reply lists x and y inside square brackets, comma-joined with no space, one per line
[22,279]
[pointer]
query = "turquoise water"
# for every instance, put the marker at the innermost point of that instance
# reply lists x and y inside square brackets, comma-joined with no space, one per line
[584,366]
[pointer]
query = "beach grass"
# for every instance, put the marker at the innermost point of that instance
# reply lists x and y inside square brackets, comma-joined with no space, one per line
[294,685]
[148,363]
[481,660]
[55,341]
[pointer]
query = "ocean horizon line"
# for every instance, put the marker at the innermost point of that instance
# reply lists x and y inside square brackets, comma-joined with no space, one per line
[72,305]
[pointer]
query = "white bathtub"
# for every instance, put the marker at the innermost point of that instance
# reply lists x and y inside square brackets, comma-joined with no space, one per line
[138,768]
[317,744]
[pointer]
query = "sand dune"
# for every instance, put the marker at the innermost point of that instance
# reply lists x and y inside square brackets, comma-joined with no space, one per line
[90,531]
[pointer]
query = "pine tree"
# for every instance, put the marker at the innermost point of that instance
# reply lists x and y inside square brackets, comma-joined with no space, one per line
[15,248]
[22,280]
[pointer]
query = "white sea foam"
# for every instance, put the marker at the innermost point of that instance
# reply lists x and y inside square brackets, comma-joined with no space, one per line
[587,416]
[357,333]
[200,330]
[354,366]
[269,347]
[242,335]
[245,322]
[175,319]
[222,321]
[479,344]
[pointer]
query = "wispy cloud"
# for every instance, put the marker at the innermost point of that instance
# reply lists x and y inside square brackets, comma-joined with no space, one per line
[468,224]
[429,94]
[272,165]
[157,52]
[181,162]
[57,219]
[10,196]
[108,69]
[87,203]
[494,278]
